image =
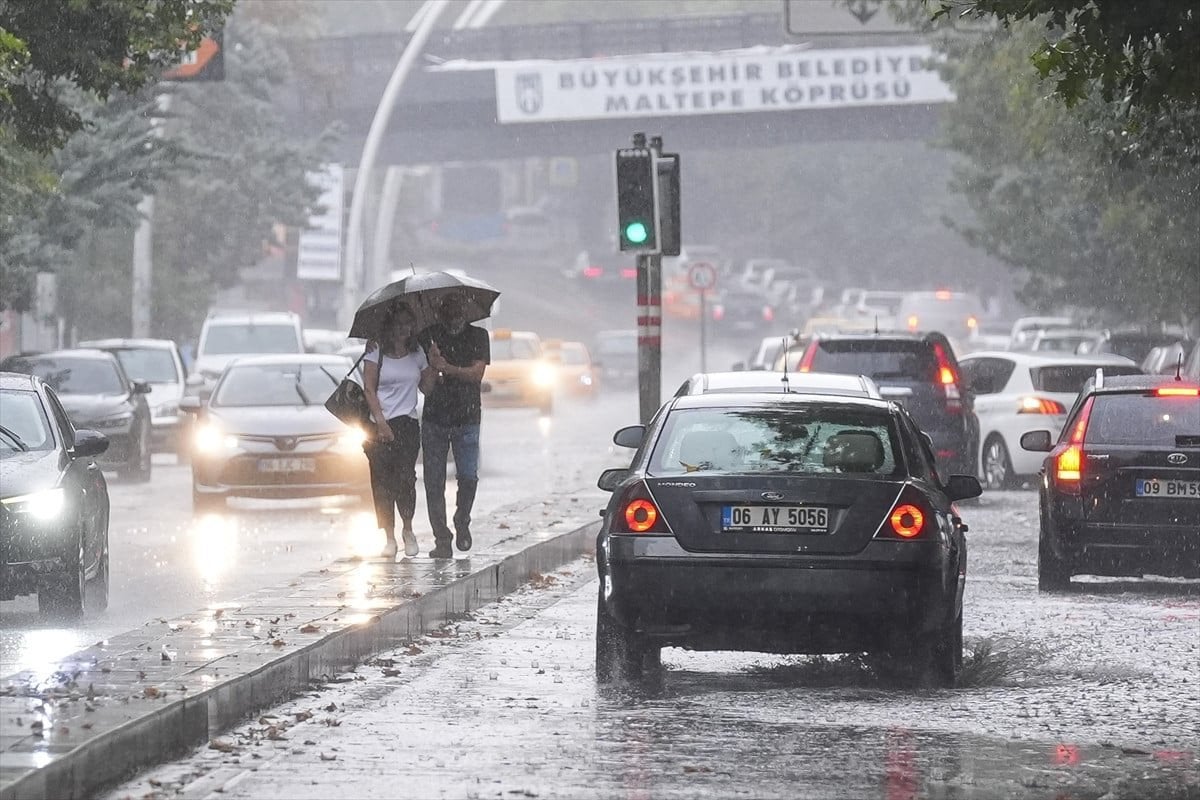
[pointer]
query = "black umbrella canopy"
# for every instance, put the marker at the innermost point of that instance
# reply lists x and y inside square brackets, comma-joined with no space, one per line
[422,294]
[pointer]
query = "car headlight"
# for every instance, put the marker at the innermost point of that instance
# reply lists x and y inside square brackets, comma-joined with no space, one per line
[585,379]
[351,441]
[544,375]
[209,438]
[44,505]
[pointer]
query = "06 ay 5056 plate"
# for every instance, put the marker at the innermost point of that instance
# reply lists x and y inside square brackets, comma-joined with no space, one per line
[775,519]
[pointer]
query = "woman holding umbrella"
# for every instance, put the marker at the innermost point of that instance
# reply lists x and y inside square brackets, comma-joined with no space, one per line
[393,374]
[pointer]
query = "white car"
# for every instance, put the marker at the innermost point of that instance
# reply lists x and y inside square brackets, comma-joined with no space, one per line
[1018,392]
[158,363]
[1026,328]
[227,335]
[793,382]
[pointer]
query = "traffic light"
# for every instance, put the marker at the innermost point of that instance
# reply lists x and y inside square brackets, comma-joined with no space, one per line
[669,217]
[637,203]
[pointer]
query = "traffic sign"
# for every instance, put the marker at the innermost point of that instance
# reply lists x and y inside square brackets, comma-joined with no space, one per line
[702,276]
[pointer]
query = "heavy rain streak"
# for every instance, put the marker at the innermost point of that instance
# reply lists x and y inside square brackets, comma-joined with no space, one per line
[600,398]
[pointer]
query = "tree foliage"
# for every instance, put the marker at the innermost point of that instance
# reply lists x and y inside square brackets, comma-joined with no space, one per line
[99,47]
[1143,53]
[1097,205]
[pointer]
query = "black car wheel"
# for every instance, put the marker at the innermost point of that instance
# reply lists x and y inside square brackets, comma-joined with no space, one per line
[62,594]
[928,660]
[138,469]
[997,464]
[621,654]
[1054,574]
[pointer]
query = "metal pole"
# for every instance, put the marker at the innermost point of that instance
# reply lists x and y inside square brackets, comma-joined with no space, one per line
[703,324]
[141,291]
[384,222]
[649,322]
[431,10]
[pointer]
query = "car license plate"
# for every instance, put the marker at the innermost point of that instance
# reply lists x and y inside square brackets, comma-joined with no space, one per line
[1159,487]
[287,465]
[774,519]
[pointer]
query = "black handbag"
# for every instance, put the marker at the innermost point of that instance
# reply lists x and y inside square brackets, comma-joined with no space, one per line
[349,400]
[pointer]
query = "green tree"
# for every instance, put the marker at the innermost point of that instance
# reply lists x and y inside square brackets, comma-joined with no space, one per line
[1140,52]
[99,47]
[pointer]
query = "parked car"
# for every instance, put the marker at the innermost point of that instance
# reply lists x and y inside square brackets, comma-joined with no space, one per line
[227,335]
[98,395]
[265,433]
[761,382]
[781,523]
[1016,392]
[158,363]
[921,372]
[53,502]
[1120,485]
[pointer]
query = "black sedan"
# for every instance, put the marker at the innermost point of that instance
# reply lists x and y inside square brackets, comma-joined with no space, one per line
[53,502]
[98,394]
[1120,489]
[781,523]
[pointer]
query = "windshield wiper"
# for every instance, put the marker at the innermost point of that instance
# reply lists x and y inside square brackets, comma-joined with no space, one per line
[17,440]
[300,391]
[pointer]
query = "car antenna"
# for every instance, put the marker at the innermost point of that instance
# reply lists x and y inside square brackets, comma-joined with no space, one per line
[784,379]
[1179,368]
[876,324]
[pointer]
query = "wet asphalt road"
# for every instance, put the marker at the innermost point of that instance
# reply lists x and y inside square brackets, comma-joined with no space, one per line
[1088,694]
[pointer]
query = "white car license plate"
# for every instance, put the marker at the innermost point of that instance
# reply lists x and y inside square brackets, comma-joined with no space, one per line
[1159,487]
[774,519]
[287,465]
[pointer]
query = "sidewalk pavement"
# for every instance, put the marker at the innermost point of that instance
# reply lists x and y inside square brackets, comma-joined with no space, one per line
[149,695]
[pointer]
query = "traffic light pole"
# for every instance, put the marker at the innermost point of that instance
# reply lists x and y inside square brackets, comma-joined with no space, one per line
[649,319]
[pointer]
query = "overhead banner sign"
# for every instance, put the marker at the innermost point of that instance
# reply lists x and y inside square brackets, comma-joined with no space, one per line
[686,84]
[319,252]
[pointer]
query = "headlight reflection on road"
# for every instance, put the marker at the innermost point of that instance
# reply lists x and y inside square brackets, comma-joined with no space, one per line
[213,539]
[545,425]
[44,650]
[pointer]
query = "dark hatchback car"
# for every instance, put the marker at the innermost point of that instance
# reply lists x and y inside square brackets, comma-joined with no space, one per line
[782,523]
[53,502]
[920,372]
[1120,489]
[741,313]
[99,395]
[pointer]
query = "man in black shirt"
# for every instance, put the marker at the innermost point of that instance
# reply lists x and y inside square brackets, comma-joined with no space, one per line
[459,352]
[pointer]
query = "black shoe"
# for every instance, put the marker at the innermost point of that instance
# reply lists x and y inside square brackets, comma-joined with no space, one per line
[441,550]
[462,538]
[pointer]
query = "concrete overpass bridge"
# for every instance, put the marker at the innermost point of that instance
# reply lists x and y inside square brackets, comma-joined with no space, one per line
[579,89]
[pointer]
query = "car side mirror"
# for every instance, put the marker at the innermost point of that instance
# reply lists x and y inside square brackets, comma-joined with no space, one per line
[141,387]
[190,404]
[630,436]
[610,479]
[89,443]
[963,487]
[1037,441]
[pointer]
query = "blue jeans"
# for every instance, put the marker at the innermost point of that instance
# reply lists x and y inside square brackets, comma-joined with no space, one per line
[436,442]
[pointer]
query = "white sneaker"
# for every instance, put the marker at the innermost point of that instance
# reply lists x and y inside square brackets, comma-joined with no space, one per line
[410,544]
[389,549]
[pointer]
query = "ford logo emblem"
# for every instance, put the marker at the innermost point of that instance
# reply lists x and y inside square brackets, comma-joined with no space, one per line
[1177,458]
[772,495]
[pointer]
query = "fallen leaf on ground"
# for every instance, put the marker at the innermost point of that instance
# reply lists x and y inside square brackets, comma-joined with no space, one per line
[151,692]
[328,757]
[390,673]
[310,629]
[303,716]
[278,643]
[220,746]
[413,650]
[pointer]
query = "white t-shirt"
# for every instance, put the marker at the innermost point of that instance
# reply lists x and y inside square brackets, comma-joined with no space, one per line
[398,380]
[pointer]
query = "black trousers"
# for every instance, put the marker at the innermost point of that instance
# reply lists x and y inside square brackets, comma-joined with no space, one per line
[394,472]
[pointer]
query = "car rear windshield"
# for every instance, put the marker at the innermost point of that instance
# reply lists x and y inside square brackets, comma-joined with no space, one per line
[813,439]
[1069,378]
[23,417]
[223,340]
[149,364]
[276,385]
[75,375]
[508,349]
[880,360]
[1145,420]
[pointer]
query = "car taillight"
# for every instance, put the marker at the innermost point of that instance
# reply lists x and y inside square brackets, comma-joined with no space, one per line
[810,355]
[768,314]
[1068,456]
[947,378]
[636,512]
[1040,405]
[718,312]
[913,322]
[1177,391]
[593,272]
[628,272]
[640,515]
[907,521]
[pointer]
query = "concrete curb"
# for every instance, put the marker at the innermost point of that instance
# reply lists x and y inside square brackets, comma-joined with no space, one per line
[170,729]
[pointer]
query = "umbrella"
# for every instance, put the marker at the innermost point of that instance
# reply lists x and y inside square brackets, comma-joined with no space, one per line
[422,294]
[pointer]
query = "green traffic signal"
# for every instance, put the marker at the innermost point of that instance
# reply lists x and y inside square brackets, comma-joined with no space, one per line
[636,233]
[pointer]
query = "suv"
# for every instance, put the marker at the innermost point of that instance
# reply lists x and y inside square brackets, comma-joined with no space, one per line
[1120,489]
[158,363]
[226,336]
[919,371]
